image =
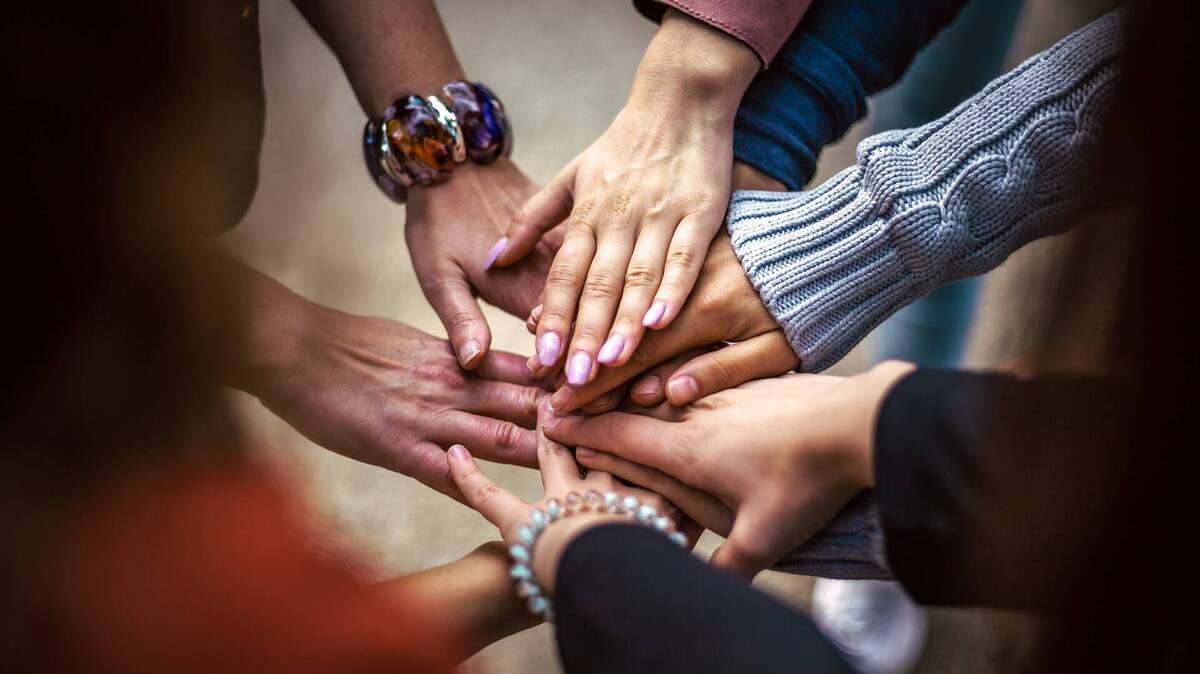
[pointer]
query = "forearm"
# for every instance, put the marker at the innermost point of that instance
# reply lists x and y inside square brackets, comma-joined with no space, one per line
[931,205]
[388,48]
[473,597]
[628,600]
[695,67]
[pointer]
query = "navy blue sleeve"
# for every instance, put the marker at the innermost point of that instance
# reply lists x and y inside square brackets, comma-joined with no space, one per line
[818,84]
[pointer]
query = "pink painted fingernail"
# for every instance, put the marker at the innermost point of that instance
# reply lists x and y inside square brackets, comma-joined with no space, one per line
[682,390]
[495,252]
[654,314]
[584,452]
[548,348]
[458,453]
[611,349]
[579,369]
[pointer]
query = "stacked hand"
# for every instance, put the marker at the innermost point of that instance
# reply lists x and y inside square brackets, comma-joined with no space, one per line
[767,464]
[560,476]
[641,204]
[380,391]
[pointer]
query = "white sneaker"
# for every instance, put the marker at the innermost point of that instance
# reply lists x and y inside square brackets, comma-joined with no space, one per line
[874,622]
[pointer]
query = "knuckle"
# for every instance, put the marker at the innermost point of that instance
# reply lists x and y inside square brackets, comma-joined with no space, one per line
[507,436]
[721,372]
[484,491]
[600,285]
[641,276]
[682,257]
[563,273]
[584,215]
[458,319]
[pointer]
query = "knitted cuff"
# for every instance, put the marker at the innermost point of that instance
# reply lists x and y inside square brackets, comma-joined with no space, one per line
[926,206]
[850,547]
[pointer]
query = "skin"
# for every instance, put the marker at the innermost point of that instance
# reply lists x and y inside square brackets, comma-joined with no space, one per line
[768,492]
[449,227]
[723,307]
[376,390]
[560,476]
[641,204]
[477,587]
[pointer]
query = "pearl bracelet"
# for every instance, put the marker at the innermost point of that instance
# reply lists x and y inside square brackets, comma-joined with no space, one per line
[573,503]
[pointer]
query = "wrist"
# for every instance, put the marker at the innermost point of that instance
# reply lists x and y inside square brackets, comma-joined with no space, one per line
[747,177]
[275,324]
[871,390]
[694,67]
[470,182]
[557,538]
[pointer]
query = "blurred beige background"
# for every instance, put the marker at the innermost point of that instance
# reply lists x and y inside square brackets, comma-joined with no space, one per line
[318,225]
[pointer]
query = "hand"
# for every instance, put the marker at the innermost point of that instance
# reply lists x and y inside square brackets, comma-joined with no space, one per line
[783,485]
[723,308]
[380,391]
[560,476]
[450,228]
[644,202]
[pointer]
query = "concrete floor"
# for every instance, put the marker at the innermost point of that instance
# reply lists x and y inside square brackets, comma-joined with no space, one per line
[318,225]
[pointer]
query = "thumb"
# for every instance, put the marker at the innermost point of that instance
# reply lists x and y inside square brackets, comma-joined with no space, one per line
[543,212]
[766,355]
[755,542]
[466,327]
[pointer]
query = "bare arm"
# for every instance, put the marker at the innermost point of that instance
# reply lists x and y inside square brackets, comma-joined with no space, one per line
[366,34]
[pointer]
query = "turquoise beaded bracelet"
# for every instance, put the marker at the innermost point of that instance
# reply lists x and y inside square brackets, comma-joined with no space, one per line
[521,552]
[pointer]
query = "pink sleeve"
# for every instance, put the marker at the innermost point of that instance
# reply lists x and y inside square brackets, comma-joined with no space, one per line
[764,25]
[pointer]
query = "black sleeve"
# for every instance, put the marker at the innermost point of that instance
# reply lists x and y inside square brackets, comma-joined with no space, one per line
[630,601]
[993,489]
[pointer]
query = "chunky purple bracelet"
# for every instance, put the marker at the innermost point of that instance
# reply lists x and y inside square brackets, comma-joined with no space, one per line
[419,141]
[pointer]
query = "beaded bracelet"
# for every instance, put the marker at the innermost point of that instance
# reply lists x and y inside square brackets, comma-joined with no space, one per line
[419,141]
[521,552]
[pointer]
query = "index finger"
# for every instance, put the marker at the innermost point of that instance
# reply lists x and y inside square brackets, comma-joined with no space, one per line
[639,438]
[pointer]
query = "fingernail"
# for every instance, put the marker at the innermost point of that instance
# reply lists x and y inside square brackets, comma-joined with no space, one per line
[548,348]
[560,398]
[611,349]
[649,387]
[468,352]
[579,369]
[495,252]
[548,418]
[654,314]
[584,452]
[458,453]
[682,390]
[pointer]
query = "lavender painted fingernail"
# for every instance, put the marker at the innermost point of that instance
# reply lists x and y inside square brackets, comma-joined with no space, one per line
[495,252]
[548,347]
[579,369]
[655,314]
[611,349]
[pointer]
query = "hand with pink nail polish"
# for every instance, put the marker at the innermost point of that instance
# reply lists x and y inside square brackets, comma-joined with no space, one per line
[641,205]
[452,231]
[724,310]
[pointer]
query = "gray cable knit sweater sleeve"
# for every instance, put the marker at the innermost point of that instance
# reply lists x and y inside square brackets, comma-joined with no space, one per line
[926,206]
